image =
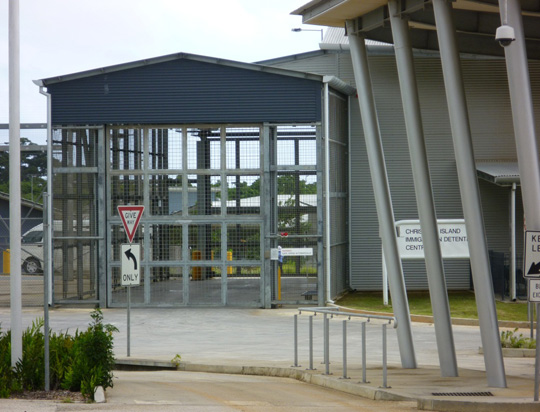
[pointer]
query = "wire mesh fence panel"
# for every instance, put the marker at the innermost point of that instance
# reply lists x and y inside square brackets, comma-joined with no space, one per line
[165,149]
[244,285]
[204,255]
[244,195]
[75,215]
[33,162]
[296,272]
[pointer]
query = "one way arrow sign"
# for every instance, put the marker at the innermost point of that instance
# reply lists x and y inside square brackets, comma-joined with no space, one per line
[130,265]
[532,254]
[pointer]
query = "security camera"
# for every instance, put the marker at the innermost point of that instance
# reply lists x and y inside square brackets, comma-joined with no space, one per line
[505,35]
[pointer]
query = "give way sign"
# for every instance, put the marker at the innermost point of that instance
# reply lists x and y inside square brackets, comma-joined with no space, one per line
[131,216]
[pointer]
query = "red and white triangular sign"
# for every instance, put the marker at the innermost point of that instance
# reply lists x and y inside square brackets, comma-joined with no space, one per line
[131,216]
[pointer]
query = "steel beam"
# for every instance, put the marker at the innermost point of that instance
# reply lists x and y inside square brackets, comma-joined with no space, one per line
[383,199]
[423,191]
[470,193]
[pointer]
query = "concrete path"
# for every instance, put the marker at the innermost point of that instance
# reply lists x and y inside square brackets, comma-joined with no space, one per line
[252,341]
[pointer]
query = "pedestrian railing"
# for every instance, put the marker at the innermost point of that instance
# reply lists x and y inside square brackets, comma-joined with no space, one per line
[331,313]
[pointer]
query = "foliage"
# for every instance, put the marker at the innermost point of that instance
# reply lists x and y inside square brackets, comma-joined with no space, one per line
[78,363]
[176,360]
[93,358]
[33,172]
[510,339]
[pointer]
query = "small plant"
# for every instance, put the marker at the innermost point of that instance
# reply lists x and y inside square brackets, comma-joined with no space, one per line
[176,360]
[510,339]
[93,358]
[79,363]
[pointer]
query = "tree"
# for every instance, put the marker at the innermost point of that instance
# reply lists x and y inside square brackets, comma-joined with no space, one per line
[33,172]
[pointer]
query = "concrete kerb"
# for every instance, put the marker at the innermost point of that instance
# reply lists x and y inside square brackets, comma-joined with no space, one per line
[497,403]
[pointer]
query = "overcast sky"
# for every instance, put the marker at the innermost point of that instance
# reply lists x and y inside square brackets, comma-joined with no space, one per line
[67,36]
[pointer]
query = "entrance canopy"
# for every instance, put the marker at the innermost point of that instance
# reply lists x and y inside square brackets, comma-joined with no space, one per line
[476,22]
[499,173]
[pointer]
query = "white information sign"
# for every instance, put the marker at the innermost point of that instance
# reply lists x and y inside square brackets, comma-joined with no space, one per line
[452,237]
[534,290]
[532,254]
[300,251]
[131,269]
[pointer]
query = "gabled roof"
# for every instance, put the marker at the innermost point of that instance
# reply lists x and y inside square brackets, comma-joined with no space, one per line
[171,57]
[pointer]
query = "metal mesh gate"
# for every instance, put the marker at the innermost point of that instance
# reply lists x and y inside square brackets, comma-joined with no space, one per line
[297,209]
[201,230]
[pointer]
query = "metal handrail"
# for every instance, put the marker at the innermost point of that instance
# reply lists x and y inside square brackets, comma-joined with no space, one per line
[338,312]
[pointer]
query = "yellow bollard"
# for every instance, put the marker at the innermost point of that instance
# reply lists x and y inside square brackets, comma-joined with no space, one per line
[196,271]
[6,259]
[229,258]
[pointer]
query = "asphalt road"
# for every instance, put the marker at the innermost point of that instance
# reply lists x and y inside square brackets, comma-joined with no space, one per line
[198,392]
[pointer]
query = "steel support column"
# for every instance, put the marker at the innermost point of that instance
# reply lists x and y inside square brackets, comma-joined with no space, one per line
[15,280]
[381,191]
[522,113]
[423,191]
[470,193]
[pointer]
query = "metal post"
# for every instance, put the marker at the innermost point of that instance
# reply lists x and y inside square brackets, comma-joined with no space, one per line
[327,219]
[15,184]
[46,272]
[364,353]
[295,341]
[128,320]
[470,193]
[424,193]
[537,364]
[381,191]
[512,243]
[345,349]
[384,356]
[327,345]
[311,343]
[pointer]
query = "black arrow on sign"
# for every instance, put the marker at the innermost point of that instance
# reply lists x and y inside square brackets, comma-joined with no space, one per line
[131,256]
[534,269]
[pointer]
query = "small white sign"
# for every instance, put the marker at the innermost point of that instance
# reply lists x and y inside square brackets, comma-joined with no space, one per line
[300,251]
[534,290]
[131,268]
[452,237]
[274,254]
[531,266]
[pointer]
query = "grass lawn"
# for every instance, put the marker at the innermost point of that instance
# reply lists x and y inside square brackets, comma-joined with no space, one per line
[462,305]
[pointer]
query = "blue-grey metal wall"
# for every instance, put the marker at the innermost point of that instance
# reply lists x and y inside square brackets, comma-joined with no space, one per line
[184,91]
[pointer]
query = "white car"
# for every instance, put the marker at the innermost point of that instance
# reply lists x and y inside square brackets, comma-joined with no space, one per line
[32,251]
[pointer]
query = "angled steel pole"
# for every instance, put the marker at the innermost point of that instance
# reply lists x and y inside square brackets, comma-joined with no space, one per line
[383,201]
[15,183]
[470,194]
[522,113]
[424,193]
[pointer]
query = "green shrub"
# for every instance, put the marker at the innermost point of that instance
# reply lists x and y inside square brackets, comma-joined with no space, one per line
[510,339]
[93,358]
[78,363]
[30,370]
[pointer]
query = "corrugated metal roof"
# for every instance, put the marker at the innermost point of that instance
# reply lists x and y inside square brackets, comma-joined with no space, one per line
[171,57]
[502,173]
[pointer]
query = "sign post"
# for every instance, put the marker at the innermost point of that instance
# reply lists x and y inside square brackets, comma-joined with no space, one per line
[531,270]
[130,258]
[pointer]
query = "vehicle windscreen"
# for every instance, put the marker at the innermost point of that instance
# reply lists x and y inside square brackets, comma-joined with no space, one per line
[35,236]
